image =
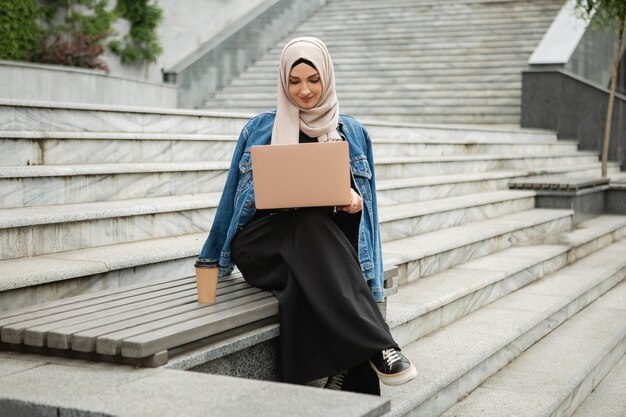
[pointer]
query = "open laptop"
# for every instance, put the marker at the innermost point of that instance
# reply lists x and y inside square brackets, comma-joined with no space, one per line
[301,175]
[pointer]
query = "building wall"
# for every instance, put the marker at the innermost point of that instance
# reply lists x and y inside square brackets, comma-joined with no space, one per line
[186,25]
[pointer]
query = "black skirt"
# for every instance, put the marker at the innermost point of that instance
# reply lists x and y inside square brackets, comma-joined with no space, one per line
[329,319]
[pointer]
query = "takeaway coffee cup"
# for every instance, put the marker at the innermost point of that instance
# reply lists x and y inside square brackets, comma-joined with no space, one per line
[206,279]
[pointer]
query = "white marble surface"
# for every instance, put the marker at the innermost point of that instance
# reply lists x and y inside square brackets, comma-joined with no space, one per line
[107,184]
[454,360]
[56,117]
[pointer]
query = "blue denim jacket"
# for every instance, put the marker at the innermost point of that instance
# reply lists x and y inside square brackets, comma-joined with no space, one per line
[236,206]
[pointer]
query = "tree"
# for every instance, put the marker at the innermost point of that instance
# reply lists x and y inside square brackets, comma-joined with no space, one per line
[610,15]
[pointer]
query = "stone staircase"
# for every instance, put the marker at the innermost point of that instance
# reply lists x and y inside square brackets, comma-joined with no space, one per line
[97,197]
[420,61]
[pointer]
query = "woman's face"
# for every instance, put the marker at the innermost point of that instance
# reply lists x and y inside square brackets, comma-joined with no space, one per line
[305,86]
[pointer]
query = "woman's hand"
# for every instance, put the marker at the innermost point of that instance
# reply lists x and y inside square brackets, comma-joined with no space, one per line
[355,205]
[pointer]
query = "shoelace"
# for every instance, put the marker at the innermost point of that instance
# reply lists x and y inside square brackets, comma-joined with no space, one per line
[335,382]
[391,356]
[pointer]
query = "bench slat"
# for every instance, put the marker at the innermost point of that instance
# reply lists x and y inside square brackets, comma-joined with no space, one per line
[15,332]
[150,343]
[83,338]
[40,335]
[111,343]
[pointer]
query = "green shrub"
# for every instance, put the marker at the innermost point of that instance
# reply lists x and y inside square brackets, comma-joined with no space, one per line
[20,33]
[142,42]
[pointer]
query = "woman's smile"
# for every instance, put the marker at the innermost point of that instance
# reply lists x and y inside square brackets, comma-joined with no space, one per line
[305,86]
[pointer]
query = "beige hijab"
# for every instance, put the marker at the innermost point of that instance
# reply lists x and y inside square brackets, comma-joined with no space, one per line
[318,122]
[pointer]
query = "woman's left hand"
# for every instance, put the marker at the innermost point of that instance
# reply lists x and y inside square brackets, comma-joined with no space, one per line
[355,205]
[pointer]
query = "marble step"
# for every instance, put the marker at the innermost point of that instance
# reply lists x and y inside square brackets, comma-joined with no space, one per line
[417,105]
[428,304]
[429,253]
[42,230]
[412,219]
[465,4]
[36,279]
[457,358]
[384,94]
[397,81]
[24,115]
[512,117]
[410,190]
[62,148]
[347,88]
[443,24]
[29,186]
[608,397]
[355,61]
[388,168]
[554,376]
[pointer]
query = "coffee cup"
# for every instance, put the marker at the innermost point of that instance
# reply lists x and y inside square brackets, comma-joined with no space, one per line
[206,279]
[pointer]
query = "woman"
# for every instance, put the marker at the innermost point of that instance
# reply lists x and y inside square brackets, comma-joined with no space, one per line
[318,262]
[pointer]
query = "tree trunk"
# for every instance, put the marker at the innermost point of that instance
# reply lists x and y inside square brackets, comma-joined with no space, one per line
[609,116]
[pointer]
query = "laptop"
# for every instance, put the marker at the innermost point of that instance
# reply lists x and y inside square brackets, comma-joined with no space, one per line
[301,175]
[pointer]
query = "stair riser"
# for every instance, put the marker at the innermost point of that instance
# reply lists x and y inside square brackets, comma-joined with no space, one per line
[462,134]
[436,319]
[40,119]
[69,151]
[60,237]
[416,61]
[417,169]
[413,226]
[344,88]
[366,71]
[393,81]
[41,191]
[36,294]
[428,265]
[400,101]
[455,391]
[385,94]
[431,192]
[421,326]
[383,150]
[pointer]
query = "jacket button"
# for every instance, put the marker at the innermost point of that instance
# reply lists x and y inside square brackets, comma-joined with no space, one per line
[245,164]
[249,204]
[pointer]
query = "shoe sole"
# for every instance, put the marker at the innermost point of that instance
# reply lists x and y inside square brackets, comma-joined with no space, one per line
[396,379]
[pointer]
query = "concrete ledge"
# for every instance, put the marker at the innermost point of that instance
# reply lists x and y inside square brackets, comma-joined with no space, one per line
[30,386]
[21,80]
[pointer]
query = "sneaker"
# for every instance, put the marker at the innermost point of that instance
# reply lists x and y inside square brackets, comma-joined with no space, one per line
[392,367]
[336,382]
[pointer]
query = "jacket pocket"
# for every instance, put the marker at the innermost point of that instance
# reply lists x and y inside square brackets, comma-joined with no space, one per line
[361,167]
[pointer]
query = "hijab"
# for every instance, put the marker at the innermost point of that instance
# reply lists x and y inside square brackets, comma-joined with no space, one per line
[322,120]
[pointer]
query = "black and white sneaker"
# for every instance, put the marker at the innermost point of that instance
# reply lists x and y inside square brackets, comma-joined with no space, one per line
[392,367]
[335,382]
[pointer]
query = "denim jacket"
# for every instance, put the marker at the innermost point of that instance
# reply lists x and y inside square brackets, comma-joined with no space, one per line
[236,206]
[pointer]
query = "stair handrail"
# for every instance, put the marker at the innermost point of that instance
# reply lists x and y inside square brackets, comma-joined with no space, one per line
[216,62]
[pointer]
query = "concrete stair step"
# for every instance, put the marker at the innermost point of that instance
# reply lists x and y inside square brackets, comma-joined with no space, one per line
[32,280]
[412,219]
[16,115]
[411,103]
[42,230]
[408,79]
[411,190]
[556,374]
[388,168]
[354,61]
[408,87]
[428,304]
[62,148]
[429,253]
[607,398]
[381,94]
[457,358]
[414,148]
[28,186]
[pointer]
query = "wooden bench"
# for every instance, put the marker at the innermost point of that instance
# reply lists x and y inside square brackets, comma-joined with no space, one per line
[139,324]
